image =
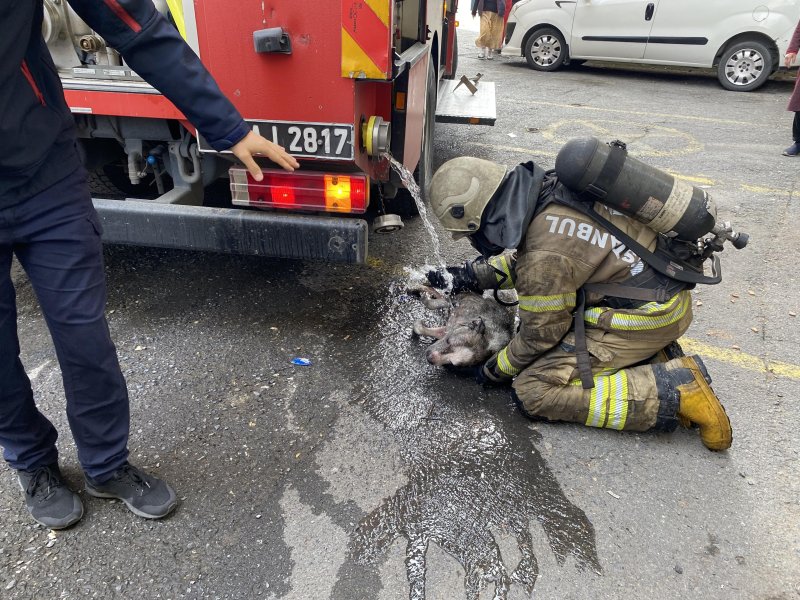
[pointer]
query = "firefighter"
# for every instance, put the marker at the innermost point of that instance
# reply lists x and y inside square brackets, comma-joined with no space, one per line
[48,222]
[565,264]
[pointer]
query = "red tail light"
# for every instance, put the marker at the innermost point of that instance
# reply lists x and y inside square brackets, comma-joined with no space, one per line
[328,192]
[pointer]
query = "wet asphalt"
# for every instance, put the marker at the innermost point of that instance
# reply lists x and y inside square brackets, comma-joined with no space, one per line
[369,474]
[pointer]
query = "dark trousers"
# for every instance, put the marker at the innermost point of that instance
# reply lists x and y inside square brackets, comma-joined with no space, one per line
[55,235]
[796,127]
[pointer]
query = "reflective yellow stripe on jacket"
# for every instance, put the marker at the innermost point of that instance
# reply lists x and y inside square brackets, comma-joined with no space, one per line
[654,315]
[553,303]
[504,274]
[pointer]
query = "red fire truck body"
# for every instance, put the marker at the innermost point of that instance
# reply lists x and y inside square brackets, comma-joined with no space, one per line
[339,83]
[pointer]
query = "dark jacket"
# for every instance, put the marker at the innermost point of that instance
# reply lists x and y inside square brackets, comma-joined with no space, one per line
[37,132]
[794,46]
[477,6]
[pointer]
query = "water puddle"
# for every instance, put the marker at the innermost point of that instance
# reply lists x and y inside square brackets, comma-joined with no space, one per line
[472,470]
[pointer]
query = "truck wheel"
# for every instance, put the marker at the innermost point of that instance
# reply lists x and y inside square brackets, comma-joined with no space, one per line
[424,171]
[744,66]
[545,50]
[403,203]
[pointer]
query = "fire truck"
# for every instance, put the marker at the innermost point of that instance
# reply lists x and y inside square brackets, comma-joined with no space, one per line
[342,84]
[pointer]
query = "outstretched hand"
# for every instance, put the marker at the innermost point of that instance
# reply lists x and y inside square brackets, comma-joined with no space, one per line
[253,144]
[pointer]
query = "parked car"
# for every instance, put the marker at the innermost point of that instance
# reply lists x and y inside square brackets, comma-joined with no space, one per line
[743,39]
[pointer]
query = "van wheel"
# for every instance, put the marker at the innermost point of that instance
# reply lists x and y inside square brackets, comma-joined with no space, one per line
[545,50]
[744,66]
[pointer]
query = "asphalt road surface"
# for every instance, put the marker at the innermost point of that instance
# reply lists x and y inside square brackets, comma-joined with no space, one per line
[370,475]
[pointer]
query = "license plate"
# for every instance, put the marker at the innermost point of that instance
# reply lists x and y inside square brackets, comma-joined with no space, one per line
[332,141]
[318,140]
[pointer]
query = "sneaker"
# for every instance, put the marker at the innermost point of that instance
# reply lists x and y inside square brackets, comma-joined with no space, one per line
[482,53]
[48,499]
[145,495]
[793,150]
[489,54]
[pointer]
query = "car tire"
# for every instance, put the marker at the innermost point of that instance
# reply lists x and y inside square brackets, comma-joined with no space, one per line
[545,50]
[744,66]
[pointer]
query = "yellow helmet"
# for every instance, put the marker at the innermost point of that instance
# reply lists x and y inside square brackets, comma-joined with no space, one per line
[460,190]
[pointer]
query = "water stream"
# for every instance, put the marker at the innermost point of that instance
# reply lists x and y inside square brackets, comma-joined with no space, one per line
[418,275]
[407,177]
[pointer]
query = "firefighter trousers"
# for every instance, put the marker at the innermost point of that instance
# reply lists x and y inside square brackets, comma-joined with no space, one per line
[625,395]
[55,235]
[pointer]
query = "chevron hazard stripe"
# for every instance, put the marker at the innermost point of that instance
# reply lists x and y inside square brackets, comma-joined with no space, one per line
[366,39]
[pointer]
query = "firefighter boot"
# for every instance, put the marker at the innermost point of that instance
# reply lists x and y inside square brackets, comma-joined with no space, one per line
[685,380]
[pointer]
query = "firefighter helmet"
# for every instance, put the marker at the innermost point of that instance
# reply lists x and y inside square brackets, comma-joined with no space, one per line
[460,190]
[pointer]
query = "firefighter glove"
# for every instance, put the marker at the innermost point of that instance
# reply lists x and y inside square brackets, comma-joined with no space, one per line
[463,278]
[490,375]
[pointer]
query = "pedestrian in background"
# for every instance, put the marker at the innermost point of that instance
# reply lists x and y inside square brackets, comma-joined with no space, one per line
[48,222]
[794,101]
[491,32]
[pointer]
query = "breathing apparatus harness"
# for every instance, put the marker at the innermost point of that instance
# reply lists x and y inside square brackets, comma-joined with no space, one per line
[676,264]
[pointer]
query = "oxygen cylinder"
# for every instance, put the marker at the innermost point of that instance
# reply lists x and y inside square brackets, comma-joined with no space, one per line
[649,195]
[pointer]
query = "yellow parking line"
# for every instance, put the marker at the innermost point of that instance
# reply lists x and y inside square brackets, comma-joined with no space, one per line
[648,114]
[518,149]
[696,179]
[757,189]
[741,359]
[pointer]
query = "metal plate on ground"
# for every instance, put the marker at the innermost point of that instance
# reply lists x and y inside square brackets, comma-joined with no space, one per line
[456,104]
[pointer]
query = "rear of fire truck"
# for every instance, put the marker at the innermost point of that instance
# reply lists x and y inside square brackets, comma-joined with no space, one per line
[340,84]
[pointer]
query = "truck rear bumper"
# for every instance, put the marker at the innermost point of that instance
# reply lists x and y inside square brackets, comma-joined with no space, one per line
[234,231]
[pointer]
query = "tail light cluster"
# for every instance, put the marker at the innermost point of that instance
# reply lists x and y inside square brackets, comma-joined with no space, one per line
[329,192]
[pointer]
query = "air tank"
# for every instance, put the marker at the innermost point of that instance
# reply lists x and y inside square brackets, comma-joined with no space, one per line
[632,187]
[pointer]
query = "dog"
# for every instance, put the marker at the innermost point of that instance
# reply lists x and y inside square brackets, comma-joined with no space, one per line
[476,328]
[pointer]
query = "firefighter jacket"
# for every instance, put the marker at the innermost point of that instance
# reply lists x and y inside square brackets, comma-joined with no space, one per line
[37,130]
[562,251]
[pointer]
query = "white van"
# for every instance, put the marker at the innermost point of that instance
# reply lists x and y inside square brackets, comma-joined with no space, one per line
[744,39]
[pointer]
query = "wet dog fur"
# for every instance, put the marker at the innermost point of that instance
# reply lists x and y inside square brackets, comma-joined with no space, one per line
[476,328]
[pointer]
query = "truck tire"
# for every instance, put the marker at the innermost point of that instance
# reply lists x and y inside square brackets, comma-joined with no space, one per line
[111,181]
[424,171]
[744,66]
[403,203]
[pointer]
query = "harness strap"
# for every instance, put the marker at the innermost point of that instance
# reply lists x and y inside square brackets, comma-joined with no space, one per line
[618,290]
[583,362]
[610,171]
[665,267]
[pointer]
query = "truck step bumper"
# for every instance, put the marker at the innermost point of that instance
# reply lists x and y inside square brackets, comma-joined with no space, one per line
[233,231]
[457,104]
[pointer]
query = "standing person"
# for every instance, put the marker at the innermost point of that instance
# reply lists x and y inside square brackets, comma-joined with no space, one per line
[48,222]
[794,101]
[491,13]
[584,351]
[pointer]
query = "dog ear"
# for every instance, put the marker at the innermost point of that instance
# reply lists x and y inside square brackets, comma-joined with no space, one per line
[478,325]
